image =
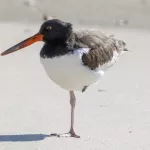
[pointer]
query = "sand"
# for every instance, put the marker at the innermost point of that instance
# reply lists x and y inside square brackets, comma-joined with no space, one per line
[134,13]
[112,115]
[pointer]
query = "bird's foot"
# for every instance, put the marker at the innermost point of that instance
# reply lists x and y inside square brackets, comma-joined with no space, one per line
[71,133]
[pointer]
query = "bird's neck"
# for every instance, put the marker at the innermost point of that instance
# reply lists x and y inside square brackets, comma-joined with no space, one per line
[58,47]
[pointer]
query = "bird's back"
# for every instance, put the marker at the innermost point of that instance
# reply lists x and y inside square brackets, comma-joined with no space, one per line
[104,49]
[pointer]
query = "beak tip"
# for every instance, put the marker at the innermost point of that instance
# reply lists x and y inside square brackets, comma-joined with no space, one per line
[2,54]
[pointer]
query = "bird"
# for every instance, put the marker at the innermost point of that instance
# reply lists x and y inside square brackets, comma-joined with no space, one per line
[73,59]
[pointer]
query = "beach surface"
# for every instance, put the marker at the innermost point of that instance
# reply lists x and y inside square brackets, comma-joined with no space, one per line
[111,115]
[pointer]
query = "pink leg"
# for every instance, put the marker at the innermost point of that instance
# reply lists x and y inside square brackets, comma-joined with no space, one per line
[71,133]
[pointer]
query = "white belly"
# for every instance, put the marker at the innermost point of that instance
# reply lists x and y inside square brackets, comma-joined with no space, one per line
[68,71]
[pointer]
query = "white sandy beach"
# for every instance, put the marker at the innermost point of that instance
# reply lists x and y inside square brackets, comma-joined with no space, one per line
[112,115]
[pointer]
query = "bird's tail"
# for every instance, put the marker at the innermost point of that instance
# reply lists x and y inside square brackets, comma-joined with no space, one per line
[121,45]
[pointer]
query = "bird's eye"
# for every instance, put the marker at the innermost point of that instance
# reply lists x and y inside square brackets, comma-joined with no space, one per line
[48,28]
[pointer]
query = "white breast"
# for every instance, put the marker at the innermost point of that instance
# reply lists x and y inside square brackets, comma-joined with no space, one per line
[69,72]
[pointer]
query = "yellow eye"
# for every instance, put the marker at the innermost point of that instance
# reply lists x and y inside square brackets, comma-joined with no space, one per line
[48,27]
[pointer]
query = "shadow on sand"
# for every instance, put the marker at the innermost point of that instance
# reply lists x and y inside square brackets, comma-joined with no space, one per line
[24,137]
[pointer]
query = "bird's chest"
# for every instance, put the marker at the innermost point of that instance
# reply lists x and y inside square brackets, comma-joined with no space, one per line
[69,72]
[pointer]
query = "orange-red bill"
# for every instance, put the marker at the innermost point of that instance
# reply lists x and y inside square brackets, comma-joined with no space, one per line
[35,38]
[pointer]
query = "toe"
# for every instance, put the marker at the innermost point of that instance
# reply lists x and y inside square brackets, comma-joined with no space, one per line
[69,134]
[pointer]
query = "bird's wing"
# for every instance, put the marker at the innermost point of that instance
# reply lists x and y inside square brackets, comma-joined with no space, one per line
[102,47]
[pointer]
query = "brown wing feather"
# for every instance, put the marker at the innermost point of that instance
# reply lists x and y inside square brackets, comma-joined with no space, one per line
[101,47]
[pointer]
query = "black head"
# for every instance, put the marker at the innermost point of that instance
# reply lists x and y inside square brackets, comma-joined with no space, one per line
[55,29]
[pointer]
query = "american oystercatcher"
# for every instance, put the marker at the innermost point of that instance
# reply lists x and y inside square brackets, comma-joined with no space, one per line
[74,60]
